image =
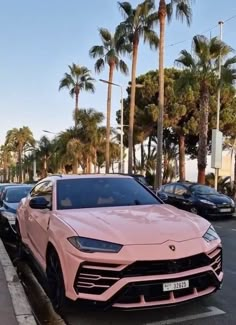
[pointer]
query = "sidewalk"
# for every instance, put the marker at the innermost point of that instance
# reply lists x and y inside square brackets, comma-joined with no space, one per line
[14,306]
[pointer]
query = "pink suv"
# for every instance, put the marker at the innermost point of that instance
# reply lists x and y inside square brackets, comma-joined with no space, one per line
[107,239]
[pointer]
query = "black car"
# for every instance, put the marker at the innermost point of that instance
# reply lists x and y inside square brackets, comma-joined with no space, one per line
[198,199]
[9,201]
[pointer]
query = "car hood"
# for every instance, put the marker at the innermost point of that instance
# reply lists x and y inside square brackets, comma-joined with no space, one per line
[11,207]
[153,224]
[216,198]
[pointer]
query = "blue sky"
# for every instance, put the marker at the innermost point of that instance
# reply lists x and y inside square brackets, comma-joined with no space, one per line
[40,38]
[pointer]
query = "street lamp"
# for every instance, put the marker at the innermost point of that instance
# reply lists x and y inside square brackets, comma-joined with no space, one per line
[121,123]
[121,120]
[46,131]
[216,155]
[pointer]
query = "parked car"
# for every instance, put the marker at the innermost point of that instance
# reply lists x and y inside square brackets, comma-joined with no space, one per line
[110,241]
[198,199]
[3,185]
[10,198]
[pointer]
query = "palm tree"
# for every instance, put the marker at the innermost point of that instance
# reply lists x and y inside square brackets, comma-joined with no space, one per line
[138,23]
[44,152]
[201,69]
[77,80]
[107,53]
[18,140]
[165,10]
[5,161]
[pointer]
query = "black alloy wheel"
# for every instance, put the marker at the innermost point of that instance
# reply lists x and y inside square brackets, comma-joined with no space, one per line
[194,210]
[55,281]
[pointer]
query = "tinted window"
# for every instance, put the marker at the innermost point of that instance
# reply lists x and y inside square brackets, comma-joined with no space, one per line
[180,190]
[168,188]
[14,195]
[201,189]
[101,192]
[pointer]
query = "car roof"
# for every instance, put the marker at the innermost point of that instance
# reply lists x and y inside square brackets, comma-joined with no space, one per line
[79,176]
[17,186]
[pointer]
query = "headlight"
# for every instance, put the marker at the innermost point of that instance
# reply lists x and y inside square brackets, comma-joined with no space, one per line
[232,203]
[211,234]
[207,202]
[11,217]
[89,245]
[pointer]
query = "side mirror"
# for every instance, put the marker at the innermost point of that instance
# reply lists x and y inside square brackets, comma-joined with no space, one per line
[39,203]
[186,195]
[162,196]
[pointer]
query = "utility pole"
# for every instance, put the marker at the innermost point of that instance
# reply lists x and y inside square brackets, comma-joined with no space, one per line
[221,23]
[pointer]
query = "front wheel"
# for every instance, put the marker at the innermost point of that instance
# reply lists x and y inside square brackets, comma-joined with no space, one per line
[194,210]
[55,281]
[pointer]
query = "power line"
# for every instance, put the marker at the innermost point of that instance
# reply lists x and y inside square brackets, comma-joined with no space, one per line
[203,33]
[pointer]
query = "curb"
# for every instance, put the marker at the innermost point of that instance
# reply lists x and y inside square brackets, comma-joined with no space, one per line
[19,299]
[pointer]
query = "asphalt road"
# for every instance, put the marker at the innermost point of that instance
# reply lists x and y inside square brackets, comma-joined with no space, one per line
[218,309]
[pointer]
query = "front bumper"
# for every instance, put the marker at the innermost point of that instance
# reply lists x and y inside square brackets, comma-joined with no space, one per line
[140,284]
[219,211]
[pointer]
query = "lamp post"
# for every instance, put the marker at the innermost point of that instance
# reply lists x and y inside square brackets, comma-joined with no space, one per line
[121,123]
[217,133]
[121,120]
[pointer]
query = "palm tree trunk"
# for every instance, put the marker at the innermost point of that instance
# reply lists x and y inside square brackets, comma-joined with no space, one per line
[108,128]
[149,146]
[76,106]
[162,20]
[181,157]
[203,132]
[132,106]
[20,165]
[142,158]
[75,166]
[134,157]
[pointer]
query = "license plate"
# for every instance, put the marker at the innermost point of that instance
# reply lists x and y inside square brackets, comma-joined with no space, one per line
[172,286]
[225,210]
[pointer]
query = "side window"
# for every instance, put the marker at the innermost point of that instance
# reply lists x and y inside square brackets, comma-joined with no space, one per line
[180,190]
[169,189]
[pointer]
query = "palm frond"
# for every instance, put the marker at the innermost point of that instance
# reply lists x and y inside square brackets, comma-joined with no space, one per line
[125,8]
[99,65]
[185,60]
[184,11]
[123,67]
[105,35]
[96,51]
[151,37]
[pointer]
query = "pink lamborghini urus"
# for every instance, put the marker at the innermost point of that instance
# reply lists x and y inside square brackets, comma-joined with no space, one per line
[107,239]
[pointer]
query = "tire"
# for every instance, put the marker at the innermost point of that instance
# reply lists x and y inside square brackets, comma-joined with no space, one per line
[56,287]
[194,210]
[21,253]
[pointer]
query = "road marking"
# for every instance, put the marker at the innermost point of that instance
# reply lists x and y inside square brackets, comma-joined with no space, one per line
[179,320]
[218,227]
[230,271]
[233,229]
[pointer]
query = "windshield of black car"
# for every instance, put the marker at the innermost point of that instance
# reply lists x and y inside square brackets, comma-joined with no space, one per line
[102,192]
[14,195]
[203,190]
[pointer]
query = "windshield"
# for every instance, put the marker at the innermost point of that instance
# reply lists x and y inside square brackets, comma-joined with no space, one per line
[102,192]
[201,189]
[14,195]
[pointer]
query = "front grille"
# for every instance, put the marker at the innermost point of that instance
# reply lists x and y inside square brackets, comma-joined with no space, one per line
[153,290]
[96,278]
[216,260]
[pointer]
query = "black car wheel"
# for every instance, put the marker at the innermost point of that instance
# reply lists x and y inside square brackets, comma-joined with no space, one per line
[55,281]
[194,210]
[21,253]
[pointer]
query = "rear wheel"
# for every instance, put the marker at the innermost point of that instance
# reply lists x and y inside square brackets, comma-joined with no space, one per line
[55,281]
